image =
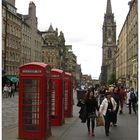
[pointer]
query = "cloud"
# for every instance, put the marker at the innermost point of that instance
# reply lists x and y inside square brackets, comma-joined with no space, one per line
[75,40]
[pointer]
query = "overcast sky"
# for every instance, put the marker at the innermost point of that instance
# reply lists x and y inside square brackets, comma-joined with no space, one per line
[81,22]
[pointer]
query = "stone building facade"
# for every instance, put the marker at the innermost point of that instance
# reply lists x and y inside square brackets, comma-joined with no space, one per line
[31,37]
[71,62]
[26,42]
[108,46]
[132,58]
[121,56]
[87,81]
[11,39]
[78,75]
[127,67]
[56,53]
[21,40]
[53,49]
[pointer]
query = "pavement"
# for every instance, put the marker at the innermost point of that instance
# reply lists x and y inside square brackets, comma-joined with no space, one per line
[72,129]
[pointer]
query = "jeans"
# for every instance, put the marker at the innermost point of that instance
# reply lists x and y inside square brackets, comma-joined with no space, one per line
[92,122]
[114,117]
[108,119]
[133,104]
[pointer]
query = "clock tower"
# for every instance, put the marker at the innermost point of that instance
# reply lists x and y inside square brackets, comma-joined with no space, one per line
[108,45]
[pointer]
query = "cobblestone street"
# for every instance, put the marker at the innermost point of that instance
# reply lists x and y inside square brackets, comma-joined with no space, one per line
[127,125]
[10,112]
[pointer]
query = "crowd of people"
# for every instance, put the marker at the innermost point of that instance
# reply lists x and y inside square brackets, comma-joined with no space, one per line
[106,101]
[8,90]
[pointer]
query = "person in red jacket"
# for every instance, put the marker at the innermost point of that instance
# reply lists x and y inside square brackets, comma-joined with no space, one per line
[122,98]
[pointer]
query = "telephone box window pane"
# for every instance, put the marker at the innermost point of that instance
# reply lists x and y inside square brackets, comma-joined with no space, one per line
[66,96]
[30,86]
[31,104]
[27,101]
[53,100]
[28,108]
[48,104]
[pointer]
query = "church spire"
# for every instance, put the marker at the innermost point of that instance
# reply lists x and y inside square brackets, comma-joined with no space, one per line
[108,8]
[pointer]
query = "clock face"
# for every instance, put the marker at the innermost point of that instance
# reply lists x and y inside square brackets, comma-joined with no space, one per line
[109,39]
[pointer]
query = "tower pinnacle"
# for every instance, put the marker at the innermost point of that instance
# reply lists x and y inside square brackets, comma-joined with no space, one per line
[51,28]
[108,8]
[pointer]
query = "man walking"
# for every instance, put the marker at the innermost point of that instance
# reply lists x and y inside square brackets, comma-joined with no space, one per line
[132,100]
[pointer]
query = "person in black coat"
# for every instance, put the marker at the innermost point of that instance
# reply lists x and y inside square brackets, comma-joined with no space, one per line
[132,101]
[117,98]
[82,112]
[91,108]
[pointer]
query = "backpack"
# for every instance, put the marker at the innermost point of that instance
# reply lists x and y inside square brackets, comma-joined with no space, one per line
[132,96]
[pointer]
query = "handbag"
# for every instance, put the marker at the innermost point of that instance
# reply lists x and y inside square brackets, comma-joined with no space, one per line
[80,103]
[99,121]
[92,115]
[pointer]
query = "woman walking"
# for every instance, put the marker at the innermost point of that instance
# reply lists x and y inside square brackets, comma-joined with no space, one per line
[116,97]
[107,108]
[5,91]
[91,108]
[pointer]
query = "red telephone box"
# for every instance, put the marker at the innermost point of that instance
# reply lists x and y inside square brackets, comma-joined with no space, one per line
[34,101]
[57,97]
[68,95]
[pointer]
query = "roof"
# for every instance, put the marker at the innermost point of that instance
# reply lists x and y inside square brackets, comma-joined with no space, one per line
[51,29]
[67,73]
[36,64]
[57,70]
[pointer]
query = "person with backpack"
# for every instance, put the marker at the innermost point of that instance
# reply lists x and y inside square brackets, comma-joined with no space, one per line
[132,101]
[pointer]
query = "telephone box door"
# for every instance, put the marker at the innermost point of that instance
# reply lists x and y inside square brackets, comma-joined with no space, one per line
[68,95]
[57,96]
[31,106]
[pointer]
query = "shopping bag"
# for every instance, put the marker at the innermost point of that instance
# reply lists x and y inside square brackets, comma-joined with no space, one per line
[99,121]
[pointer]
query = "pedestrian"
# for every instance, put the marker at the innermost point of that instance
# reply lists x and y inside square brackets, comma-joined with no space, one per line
[116,97]
[91,109]
[136,99]
[82,112]
[107,108]
[102,94]
[122,98]
[127,97]
[132,100]
[13,90]
[5,91]
[9,91]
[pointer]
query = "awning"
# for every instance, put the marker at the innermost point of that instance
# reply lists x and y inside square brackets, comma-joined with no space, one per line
[12,78]
[5,79]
